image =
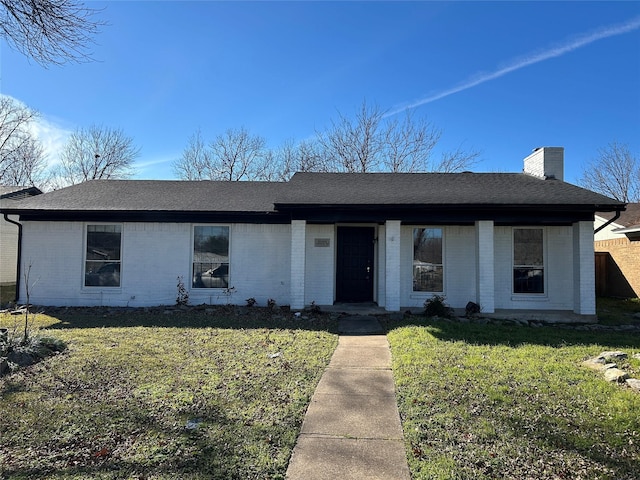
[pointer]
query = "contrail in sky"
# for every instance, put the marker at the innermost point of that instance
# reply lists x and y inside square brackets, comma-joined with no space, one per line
[517,64]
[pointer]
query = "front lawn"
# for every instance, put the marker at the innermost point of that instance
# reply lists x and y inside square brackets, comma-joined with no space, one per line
[491,401]
[189,395]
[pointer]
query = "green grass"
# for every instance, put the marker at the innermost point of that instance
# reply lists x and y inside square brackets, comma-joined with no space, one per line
[118,402]
[488,401]
[615,311]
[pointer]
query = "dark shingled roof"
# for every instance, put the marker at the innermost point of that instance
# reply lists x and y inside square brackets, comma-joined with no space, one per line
[436,189]
[159,195]
[317,192]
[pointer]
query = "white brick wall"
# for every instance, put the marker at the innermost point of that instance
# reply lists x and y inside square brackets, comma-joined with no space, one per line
[546,162]
[320,265]
[558,271]
[284,263]
[153,256]
[298,252]
[459,267]
[381,277]
[584,294]
[485,286]
[393,245]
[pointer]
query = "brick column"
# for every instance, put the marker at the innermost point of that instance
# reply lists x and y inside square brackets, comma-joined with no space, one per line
[298,242]
[485,276]
[392,264]
[584,276]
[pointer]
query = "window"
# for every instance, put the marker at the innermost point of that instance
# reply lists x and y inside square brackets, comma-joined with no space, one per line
[210,257]
[102,259]
[528,260]
[427,260]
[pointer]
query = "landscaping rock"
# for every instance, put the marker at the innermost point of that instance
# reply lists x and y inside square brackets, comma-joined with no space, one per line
[613,356]
[633,383]
[636,355]
[615,375]
[596,364]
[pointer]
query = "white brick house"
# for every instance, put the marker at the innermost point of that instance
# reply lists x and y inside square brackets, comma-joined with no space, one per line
[517,241]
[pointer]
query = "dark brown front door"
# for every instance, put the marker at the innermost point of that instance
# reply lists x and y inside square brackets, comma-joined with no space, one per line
[354,270]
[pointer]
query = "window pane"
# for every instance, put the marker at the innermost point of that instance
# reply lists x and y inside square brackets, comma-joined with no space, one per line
[427,260]
[528,260]
[210,257]
[102,267]
[528,280]
[527,247]
[101,274]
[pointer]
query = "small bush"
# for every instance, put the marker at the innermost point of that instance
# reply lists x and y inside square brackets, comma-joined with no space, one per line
[271,304]
[182,298]
[436,307]
[251,302]
[21,353]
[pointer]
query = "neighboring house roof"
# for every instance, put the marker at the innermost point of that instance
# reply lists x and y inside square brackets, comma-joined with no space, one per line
[18,193]
[323,194]
[629,218]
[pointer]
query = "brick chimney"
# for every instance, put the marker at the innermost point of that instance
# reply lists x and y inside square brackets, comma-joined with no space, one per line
[545,162]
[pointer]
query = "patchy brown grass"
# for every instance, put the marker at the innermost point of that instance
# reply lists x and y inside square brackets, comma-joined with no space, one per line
[139,395]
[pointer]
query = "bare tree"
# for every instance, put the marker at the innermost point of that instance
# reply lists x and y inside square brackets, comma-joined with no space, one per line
[375,141]
[195,163]
[408,144]
[615,173]
[22,159]
[294,157]
[28,167]
[234,155]
[94,153]
[372,141]
[354,145]
[49,31]
[457,160]
[237,155]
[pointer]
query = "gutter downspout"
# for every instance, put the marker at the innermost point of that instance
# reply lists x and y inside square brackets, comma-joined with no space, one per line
[609,222]
[18,270]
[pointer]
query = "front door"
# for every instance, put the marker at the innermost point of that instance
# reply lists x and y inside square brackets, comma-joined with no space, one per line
[354,269]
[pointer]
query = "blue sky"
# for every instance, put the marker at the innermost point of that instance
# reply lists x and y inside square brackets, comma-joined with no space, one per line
[498,77]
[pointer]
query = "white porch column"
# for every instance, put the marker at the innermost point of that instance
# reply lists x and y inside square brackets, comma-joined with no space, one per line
[298,242]
[584,275]
[392,264]
[485,277]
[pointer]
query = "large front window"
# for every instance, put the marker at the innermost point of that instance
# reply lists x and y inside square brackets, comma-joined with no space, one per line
[210,257]
[528,260]
[427,260]
[103,256]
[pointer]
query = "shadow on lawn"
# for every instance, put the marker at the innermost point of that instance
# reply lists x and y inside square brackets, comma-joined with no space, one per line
[513,335]
[148,447]
[197,317]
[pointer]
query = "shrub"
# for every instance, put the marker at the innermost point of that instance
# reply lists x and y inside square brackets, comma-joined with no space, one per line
[251,302]
[436,307]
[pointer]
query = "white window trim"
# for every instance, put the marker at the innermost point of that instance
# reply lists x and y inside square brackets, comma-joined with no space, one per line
[424,294]
[531,296]
[97,288]
[189,284]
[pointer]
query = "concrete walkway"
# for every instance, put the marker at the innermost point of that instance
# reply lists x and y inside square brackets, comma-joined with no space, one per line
[352,428]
